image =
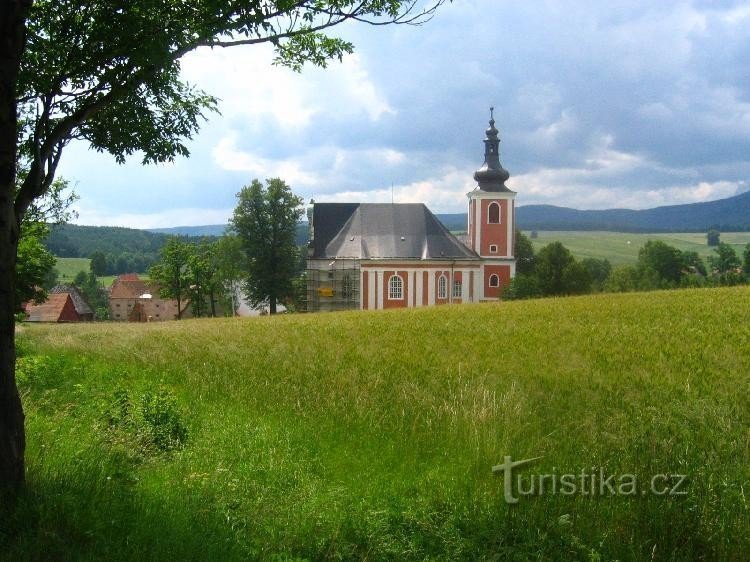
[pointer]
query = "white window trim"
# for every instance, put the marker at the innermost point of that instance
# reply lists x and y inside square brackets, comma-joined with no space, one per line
[457,286]
[499,214]
[493,248]
[442,287]
[496,276]
[392,288]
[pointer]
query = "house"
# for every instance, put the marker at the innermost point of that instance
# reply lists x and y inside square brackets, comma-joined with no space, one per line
[131,299]
[58,307]
[375,256]
[84,311]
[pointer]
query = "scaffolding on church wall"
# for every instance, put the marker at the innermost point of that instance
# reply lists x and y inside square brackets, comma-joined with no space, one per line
[333,284]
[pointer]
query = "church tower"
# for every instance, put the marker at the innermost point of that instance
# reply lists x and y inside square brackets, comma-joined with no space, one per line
[492,216]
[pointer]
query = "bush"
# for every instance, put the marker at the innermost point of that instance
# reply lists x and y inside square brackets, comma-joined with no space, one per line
[156,423]
[522,287]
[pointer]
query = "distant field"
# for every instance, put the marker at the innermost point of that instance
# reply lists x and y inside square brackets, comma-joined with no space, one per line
[372,435]
[622,248]
[68,268]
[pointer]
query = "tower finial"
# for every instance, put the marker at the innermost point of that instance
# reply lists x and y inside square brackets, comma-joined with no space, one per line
[492,176]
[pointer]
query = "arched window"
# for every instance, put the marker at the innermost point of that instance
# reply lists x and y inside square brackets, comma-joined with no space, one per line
[494,280]
[395,287]
[493,213]
[442,287]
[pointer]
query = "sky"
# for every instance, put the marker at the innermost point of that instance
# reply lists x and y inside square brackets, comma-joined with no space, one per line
[599,105]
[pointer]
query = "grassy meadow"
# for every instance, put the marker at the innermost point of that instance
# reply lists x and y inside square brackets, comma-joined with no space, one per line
[622,248]
[68,268]
[372,435]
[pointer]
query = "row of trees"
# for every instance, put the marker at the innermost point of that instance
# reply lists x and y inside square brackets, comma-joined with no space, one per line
[259,256]
[204,276]
[114,264]
[554,271]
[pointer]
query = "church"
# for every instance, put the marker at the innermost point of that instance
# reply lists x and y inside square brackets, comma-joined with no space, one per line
[378,255]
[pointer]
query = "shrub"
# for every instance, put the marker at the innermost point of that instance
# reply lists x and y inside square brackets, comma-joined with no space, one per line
[156,423]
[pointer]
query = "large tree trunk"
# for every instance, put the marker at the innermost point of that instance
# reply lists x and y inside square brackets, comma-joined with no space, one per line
[12,438]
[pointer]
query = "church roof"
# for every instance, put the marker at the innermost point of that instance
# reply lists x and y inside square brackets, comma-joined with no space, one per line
[383,231]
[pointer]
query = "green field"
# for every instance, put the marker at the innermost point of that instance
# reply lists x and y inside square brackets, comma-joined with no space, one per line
[68,268]
[622,248]
[372,435]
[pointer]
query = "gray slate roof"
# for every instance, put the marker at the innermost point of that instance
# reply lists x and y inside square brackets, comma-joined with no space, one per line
[383,231]
[81,306]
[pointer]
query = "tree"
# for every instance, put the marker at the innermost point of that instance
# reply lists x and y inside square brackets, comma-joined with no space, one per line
[598,270]
[660,261]
[109,74]
[713,237]
[172,273]
[522,286]
[35,271]
[558,273]
[524,252]
[230,260]
[98,264]
[265,220]
[693,262]
[35,264]
[726,259]
[622,279]
[94,293]
[746,260]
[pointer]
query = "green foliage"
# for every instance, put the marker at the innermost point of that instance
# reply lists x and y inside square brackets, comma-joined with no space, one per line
[558,273]
[98,263]
[660,263]
[172,273]
[598,271]
[524,253]
[693,262]
[35,272]
[713,237]
[94,293]
[726,259]
[370,436]
[622,279]
[522,286]
[265,220]
[153,422]
[746,260]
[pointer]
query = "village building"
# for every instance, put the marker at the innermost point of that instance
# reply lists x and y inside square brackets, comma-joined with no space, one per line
[83,310]
[63,304]
[131,299]
[375,255]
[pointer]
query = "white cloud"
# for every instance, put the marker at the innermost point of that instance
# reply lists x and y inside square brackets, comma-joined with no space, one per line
[228,157]
[157,219]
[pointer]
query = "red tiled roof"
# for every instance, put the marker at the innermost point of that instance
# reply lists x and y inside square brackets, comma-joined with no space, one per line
[127,289]
[50,310]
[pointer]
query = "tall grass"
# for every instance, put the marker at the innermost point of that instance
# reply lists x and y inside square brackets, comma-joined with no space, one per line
[372,435]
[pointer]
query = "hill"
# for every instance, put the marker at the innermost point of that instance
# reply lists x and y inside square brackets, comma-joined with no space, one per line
[373,434]
[728,215]
[205,230]
[77,241]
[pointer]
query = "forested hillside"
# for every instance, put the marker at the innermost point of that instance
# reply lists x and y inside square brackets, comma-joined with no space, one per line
[125,249]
